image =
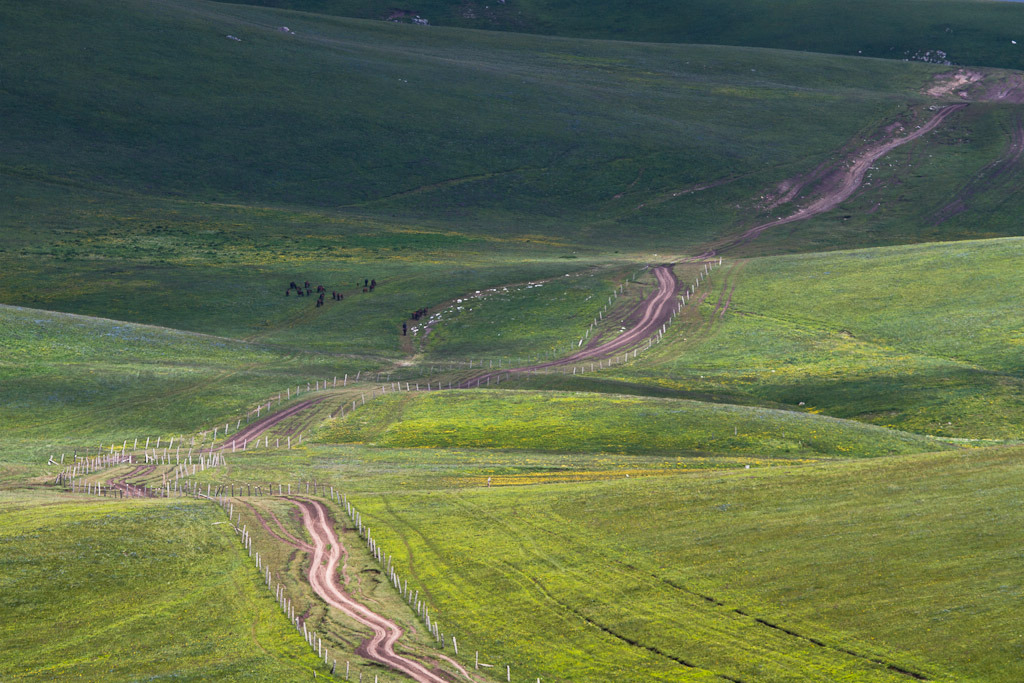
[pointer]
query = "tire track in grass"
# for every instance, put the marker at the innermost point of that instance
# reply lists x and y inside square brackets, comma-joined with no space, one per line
[130,490]
[565,607]
[992,177]
[477,511]
[284,537]
[562,608]
[888,665]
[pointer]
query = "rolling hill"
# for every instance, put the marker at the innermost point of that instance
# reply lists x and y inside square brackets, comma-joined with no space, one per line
[809,471]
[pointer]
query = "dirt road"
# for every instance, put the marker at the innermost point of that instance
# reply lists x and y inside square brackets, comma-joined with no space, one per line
[130,490]
[323,577]
[843,184]
[653,312]
[254,430]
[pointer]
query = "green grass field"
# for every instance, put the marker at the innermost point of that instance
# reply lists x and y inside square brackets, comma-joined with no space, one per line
[99,590]
[694,114]
[923,338]
[906,561]
[75,381]
[812,477]
[589,423]
[968,31]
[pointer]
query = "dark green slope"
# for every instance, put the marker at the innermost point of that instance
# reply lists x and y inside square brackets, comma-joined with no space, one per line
[471,130]
[975,32]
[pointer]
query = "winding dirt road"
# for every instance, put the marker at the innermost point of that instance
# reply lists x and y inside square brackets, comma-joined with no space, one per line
[849,180]
[323,577]
[654,312]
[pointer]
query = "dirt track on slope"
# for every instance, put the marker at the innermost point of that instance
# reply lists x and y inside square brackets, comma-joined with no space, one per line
[256,429]
[130,490]
[841,186]
[653,312]
[281,534]
[323,577]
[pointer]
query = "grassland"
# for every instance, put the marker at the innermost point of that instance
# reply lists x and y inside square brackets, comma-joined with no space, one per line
[531,320]
[155,206]
[968,31]
[694,114]
[922,338]
[589,423]
[907,561]
[97,590]
[161,184]
[953,184]
[72,380]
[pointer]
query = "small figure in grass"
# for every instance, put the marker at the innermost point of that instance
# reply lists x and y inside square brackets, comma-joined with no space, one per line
[405,329]
[287,292]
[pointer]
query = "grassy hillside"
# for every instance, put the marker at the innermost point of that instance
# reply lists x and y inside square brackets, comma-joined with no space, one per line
[968,31]
[589,423]
[548,130]
[958,182]
[179,163]
[924,338]
[72,381]
[837,572]
[133,190]
[98,590]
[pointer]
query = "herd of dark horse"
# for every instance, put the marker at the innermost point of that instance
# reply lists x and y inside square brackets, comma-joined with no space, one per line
[369,284]
[306,289]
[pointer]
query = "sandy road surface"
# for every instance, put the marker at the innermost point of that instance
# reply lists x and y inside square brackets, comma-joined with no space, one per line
[323,577]
[849,181]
